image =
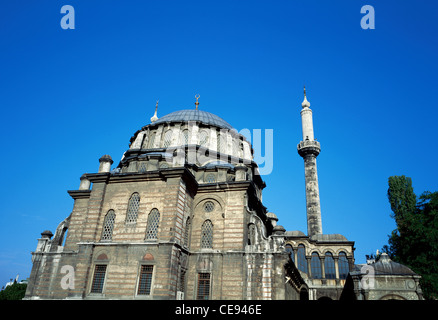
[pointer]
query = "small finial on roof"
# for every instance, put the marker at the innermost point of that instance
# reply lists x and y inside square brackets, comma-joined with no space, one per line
[155,118]
[197,102]
[305,104]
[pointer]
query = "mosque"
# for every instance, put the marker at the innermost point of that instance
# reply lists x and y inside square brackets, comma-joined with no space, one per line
[181,217]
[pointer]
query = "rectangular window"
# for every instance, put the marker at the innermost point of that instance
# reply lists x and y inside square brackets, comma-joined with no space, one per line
[99,278]
[145,282]
[203,286]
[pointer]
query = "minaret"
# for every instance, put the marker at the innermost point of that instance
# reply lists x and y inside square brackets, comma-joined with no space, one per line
[309,149]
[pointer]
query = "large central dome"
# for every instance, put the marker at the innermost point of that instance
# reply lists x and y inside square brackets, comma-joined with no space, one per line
[195,115]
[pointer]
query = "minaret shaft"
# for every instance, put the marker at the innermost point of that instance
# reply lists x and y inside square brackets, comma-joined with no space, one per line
[309,149]
[314,224]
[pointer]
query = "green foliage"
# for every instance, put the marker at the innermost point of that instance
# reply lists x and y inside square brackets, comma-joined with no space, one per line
[15,291]
[415,241]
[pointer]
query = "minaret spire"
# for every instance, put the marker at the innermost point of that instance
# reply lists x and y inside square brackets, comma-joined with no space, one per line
[155,118]
[309,149]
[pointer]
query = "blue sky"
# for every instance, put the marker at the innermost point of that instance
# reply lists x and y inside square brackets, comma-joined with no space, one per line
[69,96]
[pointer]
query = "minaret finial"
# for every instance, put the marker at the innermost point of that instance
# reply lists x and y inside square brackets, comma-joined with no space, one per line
[305,102]
[155,118]
[197,102]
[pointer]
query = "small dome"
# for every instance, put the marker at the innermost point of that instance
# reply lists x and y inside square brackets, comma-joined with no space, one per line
[195,115]
[47,234]
[278,229]
[272,215]
[385,266]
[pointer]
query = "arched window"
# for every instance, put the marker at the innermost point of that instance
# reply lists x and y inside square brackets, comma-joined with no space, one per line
[187,232]
[185,137]
[290,251]
[207,235]
[210,178]
[108,225]
[151,140]
[315,265]
[251,233]
[343,265]
[152,227]
[132,212]
[235,146]
[142,168]
[203,138]
[221,142]
[329,266]
[167,138]
[301,257]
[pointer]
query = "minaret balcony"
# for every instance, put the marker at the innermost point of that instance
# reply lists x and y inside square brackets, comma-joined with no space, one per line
[309,147]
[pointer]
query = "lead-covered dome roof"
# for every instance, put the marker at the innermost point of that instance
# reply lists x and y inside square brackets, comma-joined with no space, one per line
[194,115]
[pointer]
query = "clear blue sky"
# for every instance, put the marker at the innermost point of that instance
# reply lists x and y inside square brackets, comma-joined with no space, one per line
[69,96]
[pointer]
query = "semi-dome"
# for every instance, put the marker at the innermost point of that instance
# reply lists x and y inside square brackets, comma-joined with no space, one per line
[194,115]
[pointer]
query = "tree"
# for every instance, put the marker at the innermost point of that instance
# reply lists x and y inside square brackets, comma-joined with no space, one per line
[415,240]
[15,291]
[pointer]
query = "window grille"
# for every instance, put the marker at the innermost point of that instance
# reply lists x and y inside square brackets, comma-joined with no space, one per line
[99,278]
[222,143]
[152,227]
[142,168]
[145,281]
[203,286]
[185,137]
[187,233]
[167,138]
[164,165]
[301,257]
[315,265]
[329,266]
[151,140]
[108,225]
[203,138]
[132,212]
[235,146]
[343,265]
[210,178]
[208,206]
[207,235]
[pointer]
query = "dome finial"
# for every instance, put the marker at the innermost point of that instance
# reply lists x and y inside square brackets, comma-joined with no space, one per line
[197,102]
[155,118]
[305,104]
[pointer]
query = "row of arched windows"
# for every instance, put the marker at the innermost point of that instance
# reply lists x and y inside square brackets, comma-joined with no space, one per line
[131,219]
[204,138]
[316,265]
[153,223]
[151,229]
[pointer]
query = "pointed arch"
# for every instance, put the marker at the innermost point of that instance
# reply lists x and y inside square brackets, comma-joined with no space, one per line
[108,226]
[152,225]
[132,211]
[207,235]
